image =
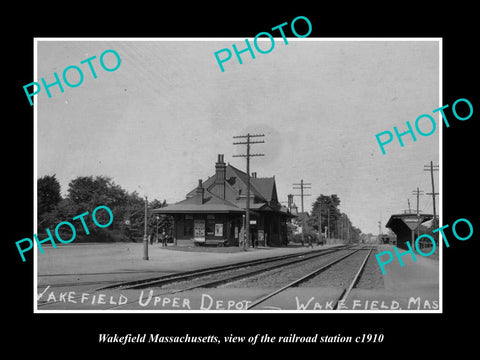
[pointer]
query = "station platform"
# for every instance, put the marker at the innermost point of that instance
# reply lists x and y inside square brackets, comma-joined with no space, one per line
[103,263]
[415,286]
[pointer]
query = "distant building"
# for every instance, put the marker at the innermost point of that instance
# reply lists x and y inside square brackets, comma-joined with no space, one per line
[387,239]
[213,212]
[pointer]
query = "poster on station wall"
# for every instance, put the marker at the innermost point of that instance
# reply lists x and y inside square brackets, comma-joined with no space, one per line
[260,235]
[199,229]
[218,229]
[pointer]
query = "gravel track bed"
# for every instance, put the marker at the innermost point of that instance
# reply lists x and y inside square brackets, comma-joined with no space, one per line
[282,276]
[213,277]
[371,277]
[340,274]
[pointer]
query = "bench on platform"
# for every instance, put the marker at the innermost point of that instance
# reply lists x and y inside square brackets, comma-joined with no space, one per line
[213,242]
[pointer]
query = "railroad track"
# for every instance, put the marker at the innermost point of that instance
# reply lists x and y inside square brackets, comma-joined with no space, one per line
[245,269]
[229,274]
[91,279]
[343,297]
[251,267]
[173,286]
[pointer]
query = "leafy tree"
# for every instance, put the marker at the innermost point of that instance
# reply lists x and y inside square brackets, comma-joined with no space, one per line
[164,223]
[84,194]
[48,196]
[355,234]
[133,220]
[326,206]
[91,192]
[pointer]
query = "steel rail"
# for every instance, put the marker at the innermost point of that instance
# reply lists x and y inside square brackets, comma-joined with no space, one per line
[346,292]
[184,276]
[228,279]
[302,279]
[168,279]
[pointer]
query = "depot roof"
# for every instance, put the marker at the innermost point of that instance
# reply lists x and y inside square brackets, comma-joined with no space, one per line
[408,219]
[225,192]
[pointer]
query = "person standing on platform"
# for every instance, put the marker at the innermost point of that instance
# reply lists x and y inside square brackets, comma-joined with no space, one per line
[163,238]
[309,241]
[151,237]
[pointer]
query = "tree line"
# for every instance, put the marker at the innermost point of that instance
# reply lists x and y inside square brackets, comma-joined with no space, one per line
[326,218]
[85,193]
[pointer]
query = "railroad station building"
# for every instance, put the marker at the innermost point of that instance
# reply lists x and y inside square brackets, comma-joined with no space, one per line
[214,211]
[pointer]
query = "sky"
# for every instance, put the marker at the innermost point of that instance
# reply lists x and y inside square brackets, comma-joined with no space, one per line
[157,123]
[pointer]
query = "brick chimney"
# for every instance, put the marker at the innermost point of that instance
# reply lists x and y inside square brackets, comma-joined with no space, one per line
[254,175]
[199,191]
[290,201]
[220,176]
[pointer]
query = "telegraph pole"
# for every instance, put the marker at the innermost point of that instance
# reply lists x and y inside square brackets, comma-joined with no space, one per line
[409,208]
[320,221]
[418,193]
[328,223]
[432,168]
[303,186]
[348,230]
[249,142]
[145,236]
[380,231]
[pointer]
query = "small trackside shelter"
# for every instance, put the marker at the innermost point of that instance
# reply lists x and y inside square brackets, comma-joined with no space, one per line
[214,211]
[405,225]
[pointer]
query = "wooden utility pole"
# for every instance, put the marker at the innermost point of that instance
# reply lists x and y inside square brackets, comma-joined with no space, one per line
[418,193]
[328,223]
[348,230]
[145,235]
[409,211]
[303,186]
[320,220]
[248,156]
[432,168]
[380,231]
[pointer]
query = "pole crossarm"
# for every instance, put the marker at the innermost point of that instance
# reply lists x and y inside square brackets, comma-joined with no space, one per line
[251,142]
[247,136]
[249,155]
